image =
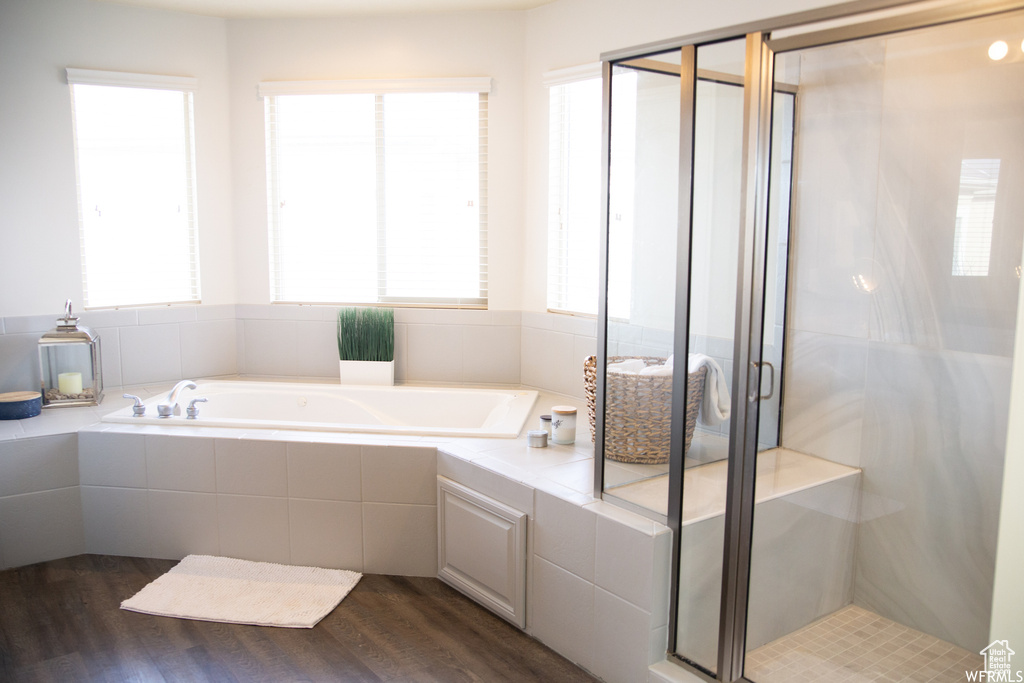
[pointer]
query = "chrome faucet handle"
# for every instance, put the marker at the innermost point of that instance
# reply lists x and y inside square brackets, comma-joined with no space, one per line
[192,411]
[138,410]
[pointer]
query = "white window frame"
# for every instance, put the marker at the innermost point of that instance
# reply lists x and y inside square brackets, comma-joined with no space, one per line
[559,243]
[270,90]
[187,86]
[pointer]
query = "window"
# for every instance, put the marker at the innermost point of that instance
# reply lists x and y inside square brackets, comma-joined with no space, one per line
[574,194]
[622,192]
[377,191]
[975,214]
[135,160]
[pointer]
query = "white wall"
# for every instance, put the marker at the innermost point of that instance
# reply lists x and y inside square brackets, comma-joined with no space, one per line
[441,45]
[39,255]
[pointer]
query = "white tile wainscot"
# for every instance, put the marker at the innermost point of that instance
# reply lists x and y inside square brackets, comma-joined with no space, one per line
[272,496]
[40,509]
[597,576]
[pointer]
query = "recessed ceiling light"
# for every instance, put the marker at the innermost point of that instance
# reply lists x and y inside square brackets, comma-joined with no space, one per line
[998,50]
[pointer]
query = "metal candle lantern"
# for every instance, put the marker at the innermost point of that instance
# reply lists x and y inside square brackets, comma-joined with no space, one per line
[69,364]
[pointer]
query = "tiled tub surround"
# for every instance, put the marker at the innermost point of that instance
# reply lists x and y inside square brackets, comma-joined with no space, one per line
[457,347]
[40,500]
[149,492]
[139,345]
[597,576]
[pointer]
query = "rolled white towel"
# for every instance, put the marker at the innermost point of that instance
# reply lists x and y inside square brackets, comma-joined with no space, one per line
[716,403]
[630,366]
[658,370]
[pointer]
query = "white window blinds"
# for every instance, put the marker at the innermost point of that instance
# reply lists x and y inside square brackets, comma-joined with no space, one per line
[377,191]
[574,188]
[135,159]
[975,216]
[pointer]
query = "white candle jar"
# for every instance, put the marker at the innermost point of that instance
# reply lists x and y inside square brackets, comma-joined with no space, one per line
[563,424]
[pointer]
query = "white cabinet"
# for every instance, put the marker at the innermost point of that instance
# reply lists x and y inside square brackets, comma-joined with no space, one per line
[481,549]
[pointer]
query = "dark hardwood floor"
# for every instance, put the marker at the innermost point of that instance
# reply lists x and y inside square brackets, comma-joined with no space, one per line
[61,621]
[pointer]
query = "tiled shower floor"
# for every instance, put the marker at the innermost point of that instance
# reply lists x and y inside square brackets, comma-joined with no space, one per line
[854,645]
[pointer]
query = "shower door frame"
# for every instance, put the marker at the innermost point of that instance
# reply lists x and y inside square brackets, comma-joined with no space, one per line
[761,48]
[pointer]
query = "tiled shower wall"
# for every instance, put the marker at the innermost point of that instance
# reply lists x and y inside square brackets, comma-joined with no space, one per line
[168,343]
[894,364]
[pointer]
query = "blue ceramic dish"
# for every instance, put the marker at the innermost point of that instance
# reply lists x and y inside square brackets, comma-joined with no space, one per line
[17,405]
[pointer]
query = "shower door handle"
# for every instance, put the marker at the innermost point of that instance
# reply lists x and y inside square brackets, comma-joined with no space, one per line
[771,382]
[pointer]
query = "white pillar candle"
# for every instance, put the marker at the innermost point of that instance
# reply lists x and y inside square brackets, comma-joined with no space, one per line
[69,383]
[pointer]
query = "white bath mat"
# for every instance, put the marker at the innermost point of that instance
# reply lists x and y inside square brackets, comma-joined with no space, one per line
[211,588]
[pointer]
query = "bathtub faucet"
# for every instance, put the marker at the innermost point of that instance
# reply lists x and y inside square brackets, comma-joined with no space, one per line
[170,406]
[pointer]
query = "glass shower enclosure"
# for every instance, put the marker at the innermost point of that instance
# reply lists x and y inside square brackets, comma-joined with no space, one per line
[817,214]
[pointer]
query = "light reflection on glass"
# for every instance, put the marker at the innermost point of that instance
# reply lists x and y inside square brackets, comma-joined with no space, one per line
[975,210]
[864,283]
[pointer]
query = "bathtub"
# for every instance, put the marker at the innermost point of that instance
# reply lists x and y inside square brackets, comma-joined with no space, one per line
[426,411]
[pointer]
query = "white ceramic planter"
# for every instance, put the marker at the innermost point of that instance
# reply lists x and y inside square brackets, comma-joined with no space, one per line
[380,373]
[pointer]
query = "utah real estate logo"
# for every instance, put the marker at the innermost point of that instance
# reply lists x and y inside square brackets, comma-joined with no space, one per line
[998,656]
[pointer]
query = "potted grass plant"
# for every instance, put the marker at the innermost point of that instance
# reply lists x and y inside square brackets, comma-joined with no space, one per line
[366,345]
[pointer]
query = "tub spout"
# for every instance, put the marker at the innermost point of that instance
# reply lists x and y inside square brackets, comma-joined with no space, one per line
[170,406]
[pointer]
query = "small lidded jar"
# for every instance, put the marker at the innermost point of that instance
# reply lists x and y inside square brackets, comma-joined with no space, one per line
[545,424]
[563,424]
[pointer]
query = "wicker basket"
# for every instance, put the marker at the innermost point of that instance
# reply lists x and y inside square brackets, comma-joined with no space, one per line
[638,411]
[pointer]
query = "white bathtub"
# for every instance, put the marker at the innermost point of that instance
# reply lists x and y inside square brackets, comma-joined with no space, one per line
[427,411]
